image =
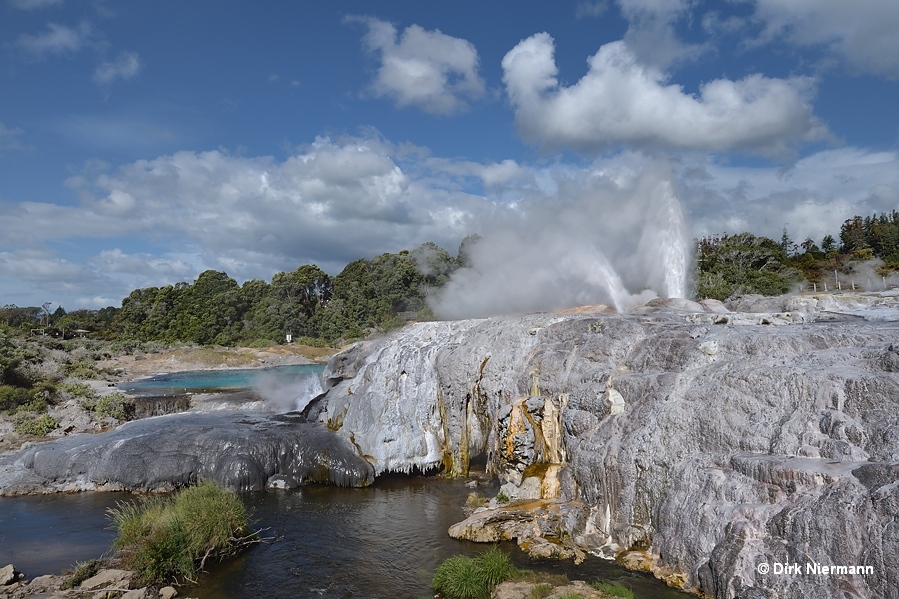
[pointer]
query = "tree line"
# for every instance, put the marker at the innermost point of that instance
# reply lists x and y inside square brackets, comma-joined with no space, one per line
[307,304]
[385,291]
[744,263]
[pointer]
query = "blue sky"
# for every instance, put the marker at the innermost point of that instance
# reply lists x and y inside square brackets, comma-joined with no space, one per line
[142,143]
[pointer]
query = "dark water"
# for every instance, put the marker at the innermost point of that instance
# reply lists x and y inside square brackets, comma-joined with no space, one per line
[48,533]
[384,541]
[380,542]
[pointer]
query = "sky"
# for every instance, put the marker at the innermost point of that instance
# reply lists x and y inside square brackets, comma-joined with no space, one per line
[142,143]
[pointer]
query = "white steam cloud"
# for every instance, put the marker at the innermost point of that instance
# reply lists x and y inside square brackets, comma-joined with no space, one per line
[620,239]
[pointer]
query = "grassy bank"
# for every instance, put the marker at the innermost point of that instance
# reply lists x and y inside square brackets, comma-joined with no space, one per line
[172,538]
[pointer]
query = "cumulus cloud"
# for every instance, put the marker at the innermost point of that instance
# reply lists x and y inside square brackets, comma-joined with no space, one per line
[622,101]
[428,70]
[862,34]
[812,198]
[58,40]
[553,233]
[329,203]
[125,66]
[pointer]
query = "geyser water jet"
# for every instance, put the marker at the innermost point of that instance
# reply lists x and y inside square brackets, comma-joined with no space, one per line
[618,240]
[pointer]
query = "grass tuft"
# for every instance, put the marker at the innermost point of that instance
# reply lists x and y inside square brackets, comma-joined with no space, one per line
[166,538]
[462,577]
[81,572]
[610,588]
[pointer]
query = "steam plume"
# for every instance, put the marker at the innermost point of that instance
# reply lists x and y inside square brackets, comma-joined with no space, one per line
[619,240]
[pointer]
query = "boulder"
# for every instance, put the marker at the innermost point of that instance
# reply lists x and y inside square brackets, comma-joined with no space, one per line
[105,579]
[8,575]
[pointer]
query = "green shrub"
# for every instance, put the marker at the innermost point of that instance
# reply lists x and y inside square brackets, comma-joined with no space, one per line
[81,370]
[610,588]
[35,406]
[462,577]
[13,397]
[28,424]
[501,497]
[165,538]
[82,390]
[114,405]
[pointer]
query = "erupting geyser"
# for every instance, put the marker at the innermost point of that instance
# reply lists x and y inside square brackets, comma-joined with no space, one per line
[621,242]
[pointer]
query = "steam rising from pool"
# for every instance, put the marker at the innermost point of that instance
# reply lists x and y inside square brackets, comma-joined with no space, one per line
[280,396]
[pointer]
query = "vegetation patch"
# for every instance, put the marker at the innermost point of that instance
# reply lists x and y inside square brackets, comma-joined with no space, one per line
[462,577]
[13,397]
[610,588]
[81,572]
[115,405]
[28,424]
[541,590]
[169,538]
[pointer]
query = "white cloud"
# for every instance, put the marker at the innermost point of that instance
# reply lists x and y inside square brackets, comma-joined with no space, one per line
[58,39]
[428,70]
[125,66]
[334,201]
[33,4]
[812,198]
[330,202]
[621,101]
[862,33]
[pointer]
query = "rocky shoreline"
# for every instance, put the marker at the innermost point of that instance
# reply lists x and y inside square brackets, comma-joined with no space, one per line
[109,583]
[73,418]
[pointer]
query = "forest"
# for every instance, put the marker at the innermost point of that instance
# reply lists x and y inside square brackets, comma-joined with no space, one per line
[377,294]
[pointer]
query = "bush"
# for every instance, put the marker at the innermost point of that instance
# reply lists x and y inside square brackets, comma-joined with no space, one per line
[501,497]
[462,577]
[610,588]
[81,370]
[27,424]
[82,390]
[165,538]
[13,397]
[114,405]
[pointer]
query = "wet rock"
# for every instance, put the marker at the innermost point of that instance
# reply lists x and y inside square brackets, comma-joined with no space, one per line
[241,450]
[732,444]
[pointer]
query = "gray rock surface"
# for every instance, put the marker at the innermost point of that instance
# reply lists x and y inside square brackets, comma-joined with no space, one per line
[245,451]
[706,449]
